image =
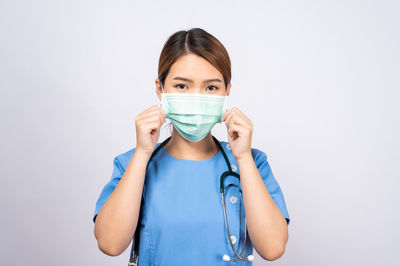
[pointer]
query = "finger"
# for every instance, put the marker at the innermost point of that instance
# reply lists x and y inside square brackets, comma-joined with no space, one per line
[227,111]
[151,108]
[239,121]
[163,116]
[154,120]
[229,118]
[239,129]
[152,114]
[232,130]
[235,118]
[223,116]
[149,119]
[237,110]
[150,126]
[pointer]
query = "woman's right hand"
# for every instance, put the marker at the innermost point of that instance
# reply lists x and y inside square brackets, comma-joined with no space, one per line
[148,124]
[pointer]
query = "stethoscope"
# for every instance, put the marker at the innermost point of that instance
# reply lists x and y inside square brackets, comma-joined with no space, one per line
[135,248]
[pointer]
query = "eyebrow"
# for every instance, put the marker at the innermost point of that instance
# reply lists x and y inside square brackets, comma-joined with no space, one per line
[189,80]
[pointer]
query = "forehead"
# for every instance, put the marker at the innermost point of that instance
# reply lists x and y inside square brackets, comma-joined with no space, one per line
[193,67]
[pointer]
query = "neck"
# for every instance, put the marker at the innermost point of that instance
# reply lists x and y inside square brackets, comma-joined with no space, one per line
[181,148]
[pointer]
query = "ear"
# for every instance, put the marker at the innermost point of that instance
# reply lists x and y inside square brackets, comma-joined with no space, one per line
[158,88]
[228,89]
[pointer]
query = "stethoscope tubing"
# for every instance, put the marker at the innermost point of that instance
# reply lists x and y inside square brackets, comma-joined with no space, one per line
[135,244]
[221,184]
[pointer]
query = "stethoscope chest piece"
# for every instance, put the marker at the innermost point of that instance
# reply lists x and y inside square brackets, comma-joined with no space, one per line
[222,179]
[133,261]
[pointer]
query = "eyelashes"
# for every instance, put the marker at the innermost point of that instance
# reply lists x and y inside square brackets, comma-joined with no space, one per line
[182,86]
[179,86]
[215,87]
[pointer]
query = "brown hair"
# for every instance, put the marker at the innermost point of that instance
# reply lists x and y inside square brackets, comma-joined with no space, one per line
[199,42]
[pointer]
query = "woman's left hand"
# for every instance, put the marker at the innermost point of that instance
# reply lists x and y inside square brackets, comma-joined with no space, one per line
[240,131]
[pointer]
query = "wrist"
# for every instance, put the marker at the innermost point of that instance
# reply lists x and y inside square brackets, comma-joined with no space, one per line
[244,157]
[142,153]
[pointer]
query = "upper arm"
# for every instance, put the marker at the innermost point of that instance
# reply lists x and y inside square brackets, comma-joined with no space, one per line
[270,182]
[118,171]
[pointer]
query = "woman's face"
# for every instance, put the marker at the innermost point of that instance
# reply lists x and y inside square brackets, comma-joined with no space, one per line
[193,74]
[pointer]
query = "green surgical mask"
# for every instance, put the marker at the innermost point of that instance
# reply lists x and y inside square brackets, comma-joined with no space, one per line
[193,114]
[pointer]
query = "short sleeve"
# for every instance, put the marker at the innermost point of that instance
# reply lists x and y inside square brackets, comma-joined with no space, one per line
[260,159]
[117,173]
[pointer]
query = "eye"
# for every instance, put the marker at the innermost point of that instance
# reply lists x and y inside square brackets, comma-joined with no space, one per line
[180,86]
[212,87]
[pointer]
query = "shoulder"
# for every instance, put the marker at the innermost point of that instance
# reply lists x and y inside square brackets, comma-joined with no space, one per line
[259,155]
[124,158]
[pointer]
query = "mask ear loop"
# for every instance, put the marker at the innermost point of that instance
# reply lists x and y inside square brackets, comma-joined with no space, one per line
[161,102]
[225,101]
[162,88]
[225,106]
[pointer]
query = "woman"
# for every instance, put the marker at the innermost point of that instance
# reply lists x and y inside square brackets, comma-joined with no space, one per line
[182,220]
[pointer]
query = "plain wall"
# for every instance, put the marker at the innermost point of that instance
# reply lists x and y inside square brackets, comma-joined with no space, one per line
[319,79]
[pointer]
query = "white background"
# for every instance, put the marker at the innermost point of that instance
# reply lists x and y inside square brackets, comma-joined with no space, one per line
[319,79]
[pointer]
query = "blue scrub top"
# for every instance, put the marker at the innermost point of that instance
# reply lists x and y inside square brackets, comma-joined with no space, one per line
[183,220]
